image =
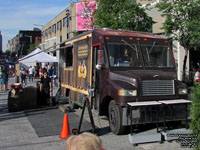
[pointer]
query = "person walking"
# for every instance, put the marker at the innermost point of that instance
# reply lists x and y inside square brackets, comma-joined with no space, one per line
[23,76]
[45,88]
[30,74]
[2,80]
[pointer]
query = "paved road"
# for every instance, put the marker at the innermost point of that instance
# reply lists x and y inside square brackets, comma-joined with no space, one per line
[17,133]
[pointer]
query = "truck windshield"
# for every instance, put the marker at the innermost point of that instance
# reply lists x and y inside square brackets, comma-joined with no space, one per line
[157,55]
[123,54]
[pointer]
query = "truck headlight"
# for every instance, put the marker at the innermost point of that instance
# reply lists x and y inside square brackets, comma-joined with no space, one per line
[123,92]
[182,91]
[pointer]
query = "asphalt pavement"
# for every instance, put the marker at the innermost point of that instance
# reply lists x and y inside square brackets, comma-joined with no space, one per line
[34,129]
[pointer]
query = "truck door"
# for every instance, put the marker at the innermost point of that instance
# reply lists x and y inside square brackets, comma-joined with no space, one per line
[95,77]
[100,74]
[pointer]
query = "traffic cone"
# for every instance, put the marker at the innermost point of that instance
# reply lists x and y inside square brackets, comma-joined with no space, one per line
[65,130]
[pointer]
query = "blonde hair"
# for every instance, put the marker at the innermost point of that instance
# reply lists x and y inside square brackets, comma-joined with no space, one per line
[84,141]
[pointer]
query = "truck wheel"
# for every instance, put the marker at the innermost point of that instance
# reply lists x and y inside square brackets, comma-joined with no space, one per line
[71,103]
[115,118]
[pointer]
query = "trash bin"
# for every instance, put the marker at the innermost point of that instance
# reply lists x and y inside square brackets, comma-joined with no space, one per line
[13,97]
[21,98]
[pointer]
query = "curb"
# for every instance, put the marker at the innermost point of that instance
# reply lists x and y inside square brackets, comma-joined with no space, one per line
[64,108]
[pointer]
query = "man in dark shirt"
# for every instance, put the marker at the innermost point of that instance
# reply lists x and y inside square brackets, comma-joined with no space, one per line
[45,87]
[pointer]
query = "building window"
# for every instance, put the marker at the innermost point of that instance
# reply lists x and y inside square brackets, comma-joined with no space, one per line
[68,20]
[54,28]
[59,26]
[65,22]
[46,32]
[49,30]
[43,33]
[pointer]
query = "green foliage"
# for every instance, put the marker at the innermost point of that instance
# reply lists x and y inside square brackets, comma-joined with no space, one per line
[31,48]
[195,112]
[7,52]
[182,20]
[182,23]
[122,14]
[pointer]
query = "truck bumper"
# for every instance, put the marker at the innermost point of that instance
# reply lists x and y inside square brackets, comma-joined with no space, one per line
[155,111]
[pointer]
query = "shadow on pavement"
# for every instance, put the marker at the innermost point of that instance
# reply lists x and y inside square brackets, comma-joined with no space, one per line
[4,117]
[49,121]
[103,131]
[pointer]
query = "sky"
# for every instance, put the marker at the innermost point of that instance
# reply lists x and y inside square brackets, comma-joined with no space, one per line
[18,15]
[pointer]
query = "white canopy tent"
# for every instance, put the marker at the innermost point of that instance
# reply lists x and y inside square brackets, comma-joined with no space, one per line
[37,56]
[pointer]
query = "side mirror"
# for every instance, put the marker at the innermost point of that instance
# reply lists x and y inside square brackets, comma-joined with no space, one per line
[100,60]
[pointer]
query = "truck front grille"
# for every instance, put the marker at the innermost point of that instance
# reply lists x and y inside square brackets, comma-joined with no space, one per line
[157,87]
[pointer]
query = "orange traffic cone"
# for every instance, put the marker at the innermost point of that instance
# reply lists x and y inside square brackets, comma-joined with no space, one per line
[65,130]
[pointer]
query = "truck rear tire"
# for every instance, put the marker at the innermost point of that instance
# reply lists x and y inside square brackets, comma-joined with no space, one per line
[115,118]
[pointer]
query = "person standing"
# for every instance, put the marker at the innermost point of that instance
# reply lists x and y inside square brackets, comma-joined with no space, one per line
[30,74]
[36,75]
[45,88]
[40,72]
[197,75]
[50,72]
[84,141]
[23,76]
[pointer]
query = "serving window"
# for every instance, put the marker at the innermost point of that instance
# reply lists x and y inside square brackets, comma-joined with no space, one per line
[67,57]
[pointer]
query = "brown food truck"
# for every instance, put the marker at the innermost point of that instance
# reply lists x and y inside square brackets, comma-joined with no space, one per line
[128,76]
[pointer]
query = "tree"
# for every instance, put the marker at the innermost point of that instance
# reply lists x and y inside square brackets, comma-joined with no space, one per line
[87,13]
[182,23]
[195,112]
[32,47]
[7,53]
[122,14]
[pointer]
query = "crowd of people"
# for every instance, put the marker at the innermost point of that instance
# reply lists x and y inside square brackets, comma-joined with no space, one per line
[34,73]
[42,75]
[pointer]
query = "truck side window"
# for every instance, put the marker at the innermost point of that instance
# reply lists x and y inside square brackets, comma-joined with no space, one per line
[68,57]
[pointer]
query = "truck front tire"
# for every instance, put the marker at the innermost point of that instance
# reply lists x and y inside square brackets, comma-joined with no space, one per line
[115,118]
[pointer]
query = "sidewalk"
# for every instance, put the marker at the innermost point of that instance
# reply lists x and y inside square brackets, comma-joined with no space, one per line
[30,130]
[17,133]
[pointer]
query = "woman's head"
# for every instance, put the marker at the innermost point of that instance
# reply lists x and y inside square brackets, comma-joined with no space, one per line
[85,141]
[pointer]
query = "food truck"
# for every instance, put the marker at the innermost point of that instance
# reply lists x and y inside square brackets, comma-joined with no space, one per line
[128,76]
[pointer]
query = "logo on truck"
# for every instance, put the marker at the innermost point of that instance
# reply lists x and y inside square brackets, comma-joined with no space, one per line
[82,70]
